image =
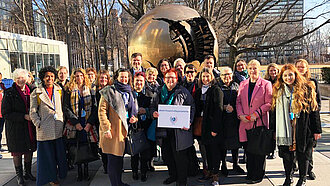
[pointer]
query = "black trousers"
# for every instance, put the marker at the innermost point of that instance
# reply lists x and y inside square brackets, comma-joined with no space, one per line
[176,161]
[255,166]
[303,158]
[115,168]
[214,154]
[143,158]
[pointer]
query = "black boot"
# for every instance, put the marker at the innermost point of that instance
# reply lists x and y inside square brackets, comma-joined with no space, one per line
[19,174]
[27,171]
[303,168]
[86,173]
[80,173]
[288,167]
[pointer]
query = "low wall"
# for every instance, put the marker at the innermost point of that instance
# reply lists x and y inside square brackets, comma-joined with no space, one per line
[325,89]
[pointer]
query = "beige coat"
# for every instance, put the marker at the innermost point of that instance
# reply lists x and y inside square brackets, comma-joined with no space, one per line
[110,120]
[42,114]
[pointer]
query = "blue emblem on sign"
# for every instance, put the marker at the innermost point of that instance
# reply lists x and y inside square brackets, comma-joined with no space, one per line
[173,119]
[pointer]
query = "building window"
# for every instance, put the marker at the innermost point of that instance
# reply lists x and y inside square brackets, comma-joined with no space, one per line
[14,61]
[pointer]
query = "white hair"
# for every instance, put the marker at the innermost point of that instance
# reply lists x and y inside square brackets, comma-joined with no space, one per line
[19,72]
[177,60]
[226,68]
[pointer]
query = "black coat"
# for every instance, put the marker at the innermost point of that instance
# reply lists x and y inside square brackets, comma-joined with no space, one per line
[183,138]
[17,131]
[212,110]
[144,102]
[230,120]
[307,125]
[72,117]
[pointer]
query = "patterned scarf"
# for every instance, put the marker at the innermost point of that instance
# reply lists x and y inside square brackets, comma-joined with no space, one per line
[74,100]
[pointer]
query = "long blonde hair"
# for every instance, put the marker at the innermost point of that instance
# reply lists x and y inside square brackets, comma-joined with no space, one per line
[304,91]
[72,83]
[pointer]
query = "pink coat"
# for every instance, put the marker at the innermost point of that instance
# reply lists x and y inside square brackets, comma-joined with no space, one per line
[261,98]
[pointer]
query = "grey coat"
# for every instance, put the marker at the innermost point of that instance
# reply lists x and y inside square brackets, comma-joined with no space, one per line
[42,114]
[183,138]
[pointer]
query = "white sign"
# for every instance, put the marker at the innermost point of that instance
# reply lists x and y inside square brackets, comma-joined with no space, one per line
[174,116]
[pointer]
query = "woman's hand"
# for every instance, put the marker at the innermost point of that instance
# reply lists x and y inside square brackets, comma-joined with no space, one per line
[133,119]
[87,127]
[27,117]
[317,136]
[229,108]
[243,118]
[142,111]
[108,134]
[214,134]
[155,114]
[253,117]
[79,127]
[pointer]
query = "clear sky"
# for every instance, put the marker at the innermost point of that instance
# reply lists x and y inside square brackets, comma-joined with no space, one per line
[308,4]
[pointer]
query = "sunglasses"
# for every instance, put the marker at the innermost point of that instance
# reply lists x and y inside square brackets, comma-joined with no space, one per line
[190,72]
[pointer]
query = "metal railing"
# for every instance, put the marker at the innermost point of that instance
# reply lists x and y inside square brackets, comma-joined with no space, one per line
[325,98]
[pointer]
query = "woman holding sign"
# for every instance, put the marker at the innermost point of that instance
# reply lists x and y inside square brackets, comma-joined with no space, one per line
[254,94]
[177,141]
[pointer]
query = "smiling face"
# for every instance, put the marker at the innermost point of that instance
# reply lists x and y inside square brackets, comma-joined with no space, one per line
[139,82]
[301,67]
[288,77]
[123,77]
[151,77]
[190,75]
[240,66]
[49,79]
[273,72]
[227,76]
[164,67]
[21,80]
[253,71]
[170,80]
[91,76]
[206,78]
[209,63]
[137,62]
[103,80]
[62,74]
[79,77]
[180,67]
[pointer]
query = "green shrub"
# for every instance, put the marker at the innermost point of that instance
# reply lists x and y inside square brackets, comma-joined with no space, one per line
[326,74]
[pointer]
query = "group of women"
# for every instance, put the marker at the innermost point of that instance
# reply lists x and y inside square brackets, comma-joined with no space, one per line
[92,108]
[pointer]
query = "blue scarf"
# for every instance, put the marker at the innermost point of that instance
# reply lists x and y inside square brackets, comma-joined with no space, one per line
[127,95]
[165,97]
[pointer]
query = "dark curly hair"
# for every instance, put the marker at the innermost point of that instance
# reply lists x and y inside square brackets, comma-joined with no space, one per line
[44,70]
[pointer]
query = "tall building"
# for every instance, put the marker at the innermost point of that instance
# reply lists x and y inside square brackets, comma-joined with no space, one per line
[40,26]
[278,34]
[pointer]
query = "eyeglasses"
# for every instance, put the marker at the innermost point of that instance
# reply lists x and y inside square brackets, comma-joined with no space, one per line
[190,72]
[170,77]
[228,74]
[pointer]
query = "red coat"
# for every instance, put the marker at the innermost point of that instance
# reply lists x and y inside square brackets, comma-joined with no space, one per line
[261,98]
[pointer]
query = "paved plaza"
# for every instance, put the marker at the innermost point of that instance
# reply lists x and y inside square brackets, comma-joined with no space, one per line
[274,168]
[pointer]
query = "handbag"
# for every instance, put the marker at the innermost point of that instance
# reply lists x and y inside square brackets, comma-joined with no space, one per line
[259,139]
[136,141]
[197,126]
[83,152]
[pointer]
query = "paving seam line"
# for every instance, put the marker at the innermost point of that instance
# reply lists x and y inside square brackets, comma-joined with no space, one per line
[15,175]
